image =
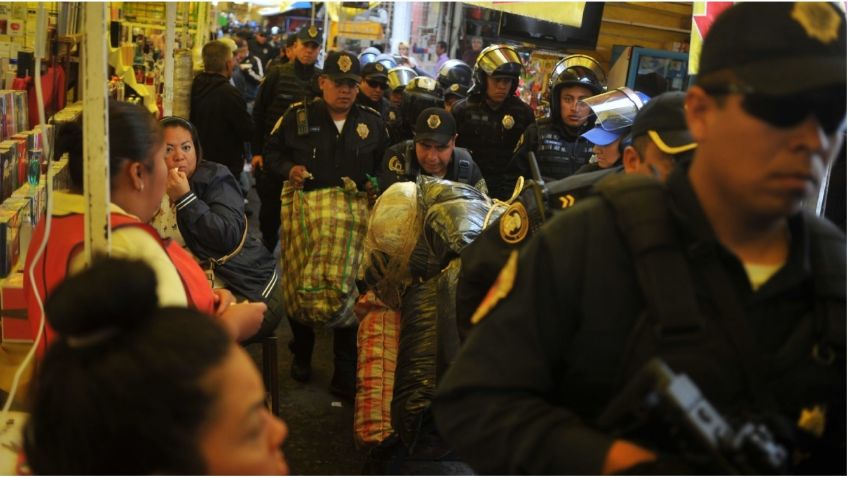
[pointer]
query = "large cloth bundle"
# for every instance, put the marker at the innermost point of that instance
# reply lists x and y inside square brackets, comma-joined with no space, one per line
[429,341]
[377,348]
[321,236]
[393,230]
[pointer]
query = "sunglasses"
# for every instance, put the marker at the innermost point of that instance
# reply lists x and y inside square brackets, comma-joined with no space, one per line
[377,84]
[827,105]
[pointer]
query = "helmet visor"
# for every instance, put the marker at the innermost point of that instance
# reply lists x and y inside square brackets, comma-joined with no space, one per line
[495,56]
[615,109]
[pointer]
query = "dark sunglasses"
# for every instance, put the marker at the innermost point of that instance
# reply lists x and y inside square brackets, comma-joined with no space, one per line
[827,105]
[377,84]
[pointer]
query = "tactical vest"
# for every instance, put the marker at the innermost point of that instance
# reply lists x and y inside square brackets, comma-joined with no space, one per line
[289,89]
[558,156]
[492,135]
[66,240]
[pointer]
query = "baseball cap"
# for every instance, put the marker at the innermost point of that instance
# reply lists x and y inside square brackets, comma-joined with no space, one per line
[309,34]
[778,48]
[342,65]
[663,119]
[601,137]
[375,70]
[290,39]
[435,124]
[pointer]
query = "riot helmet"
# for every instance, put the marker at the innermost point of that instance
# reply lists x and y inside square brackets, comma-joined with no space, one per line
[368,55]
[495,61]
[419,94]
[387,60]
[400,76]
[455,71]
[574,70]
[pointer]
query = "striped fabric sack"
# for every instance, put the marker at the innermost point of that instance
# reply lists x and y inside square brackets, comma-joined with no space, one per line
[321,235]
[377,349]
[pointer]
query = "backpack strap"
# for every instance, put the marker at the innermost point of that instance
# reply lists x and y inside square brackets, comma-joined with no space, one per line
[463,164]
[640,208]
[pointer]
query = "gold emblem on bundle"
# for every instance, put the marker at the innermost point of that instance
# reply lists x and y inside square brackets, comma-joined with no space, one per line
[819,20]
[313,32]
[433,121]
[362,130]
[344,63]
[379,67]
[454,87]
[395,165]
[508,122]
[514,223]
[500,289]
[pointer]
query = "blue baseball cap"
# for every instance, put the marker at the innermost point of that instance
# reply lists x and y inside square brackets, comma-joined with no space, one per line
[601,137]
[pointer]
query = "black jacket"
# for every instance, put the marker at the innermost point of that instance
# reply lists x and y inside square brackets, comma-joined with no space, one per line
[537,371]
[400,164]
[219,113]
[491,136]
[212,222]
[327,154]
[283,85]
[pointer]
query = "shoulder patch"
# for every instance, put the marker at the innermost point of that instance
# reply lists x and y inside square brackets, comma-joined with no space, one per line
[499,290]
[514,223]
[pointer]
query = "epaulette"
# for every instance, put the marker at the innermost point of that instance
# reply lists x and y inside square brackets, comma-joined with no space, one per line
[369,109]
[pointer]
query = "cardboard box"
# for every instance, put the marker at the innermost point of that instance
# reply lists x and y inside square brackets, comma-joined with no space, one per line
[14,323]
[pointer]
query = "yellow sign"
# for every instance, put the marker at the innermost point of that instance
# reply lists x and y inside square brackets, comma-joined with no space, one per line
[361,30]
[565,13]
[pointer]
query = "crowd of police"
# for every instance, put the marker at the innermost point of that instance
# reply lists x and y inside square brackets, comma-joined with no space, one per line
[652,298]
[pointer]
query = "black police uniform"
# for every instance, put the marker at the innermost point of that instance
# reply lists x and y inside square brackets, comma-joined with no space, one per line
[382,106]
[558,348]
[283,85]
[400,164]
[559,151]
[484,258]
[491,136]
[327,154]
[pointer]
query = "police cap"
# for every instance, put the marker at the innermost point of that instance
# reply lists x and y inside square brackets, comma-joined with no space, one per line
[342,65]
[310,34]
[375,70]
[777,48]
[663,120]
[435,124]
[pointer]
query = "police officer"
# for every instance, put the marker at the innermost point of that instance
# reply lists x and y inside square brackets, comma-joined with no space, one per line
[491,119]
[283,85]
[455,78]
[752,309]
[314,145]
[433,152]
[556,140]
[372,88]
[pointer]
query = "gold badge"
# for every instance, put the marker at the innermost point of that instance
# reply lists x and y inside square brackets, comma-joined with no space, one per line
[454,87]
[812,420]
[819,20]
[500,289]
[362,130]
[395,165]
[508,122]
[567,201]
[392,116]
[379,67]
[514,223]
[313,32]
[433,121]
[344,63]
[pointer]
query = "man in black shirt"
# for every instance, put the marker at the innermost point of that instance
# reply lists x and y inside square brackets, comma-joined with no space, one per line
[720,273]
[314,145]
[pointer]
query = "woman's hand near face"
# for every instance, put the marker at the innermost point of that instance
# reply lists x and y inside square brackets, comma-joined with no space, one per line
[177,184]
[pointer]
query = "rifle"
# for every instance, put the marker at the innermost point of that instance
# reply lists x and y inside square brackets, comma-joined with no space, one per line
[656,395]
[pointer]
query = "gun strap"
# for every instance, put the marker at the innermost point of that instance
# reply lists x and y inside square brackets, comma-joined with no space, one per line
[641,208]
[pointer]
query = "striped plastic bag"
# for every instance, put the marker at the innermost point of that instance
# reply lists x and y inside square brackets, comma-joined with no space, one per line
[321,236]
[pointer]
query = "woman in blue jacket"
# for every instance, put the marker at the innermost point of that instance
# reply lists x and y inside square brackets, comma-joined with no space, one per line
[206,214]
